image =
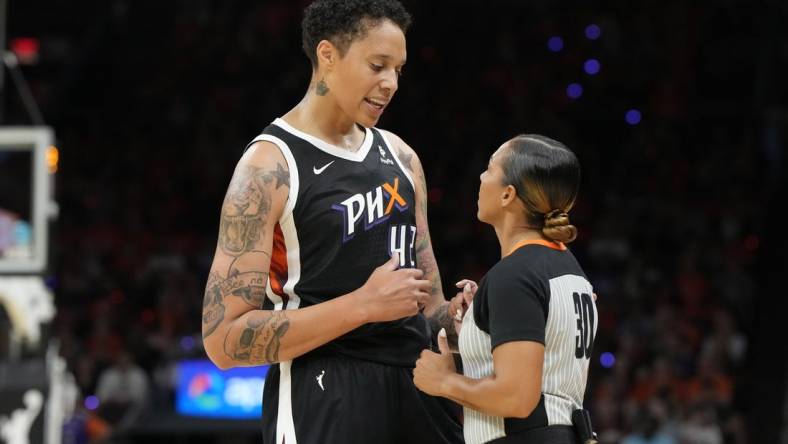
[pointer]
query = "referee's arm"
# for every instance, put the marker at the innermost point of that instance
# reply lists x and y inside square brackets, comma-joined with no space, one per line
[513,391]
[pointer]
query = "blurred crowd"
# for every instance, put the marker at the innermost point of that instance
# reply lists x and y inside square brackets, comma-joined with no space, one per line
[153,103]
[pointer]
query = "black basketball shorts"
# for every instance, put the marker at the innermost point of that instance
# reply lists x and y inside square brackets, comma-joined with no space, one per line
[339,400]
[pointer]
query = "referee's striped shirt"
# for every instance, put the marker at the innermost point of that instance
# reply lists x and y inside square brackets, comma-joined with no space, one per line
[537,293]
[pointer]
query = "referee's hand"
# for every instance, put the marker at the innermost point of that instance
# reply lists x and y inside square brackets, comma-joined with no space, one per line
[433,368]
[459,304]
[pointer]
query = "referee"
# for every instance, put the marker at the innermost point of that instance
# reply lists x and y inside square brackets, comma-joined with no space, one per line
[526,339]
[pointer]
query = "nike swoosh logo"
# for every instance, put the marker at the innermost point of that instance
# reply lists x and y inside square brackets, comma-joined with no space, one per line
[320,170]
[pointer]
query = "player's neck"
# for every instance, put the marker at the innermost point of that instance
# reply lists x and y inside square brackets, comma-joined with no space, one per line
[322,117]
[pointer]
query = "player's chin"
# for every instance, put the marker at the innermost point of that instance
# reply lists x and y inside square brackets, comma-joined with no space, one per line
[367,120]
[368,115]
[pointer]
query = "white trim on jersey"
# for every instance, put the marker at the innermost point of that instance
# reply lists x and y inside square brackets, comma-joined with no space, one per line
[287,224]
[285,427]
[291,165]
[396,158]
[275,298]
[334,150]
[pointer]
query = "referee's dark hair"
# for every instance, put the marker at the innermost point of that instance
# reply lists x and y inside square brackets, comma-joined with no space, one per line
[546,175]
[342,21]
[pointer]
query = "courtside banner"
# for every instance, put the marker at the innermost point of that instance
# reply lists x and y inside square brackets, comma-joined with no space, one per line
[204,390]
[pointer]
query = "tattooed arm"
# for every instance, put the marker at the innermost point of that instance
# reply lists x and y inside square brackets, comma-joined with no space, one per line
[236,331]
[437,309]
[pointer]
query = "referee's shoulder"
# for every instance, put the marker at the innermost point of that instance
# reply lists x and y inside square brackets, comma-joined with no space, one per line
[519,263]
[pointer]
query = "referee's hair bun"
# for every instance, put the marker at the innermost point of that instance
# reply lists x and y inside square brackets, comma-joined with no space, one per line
[558,228]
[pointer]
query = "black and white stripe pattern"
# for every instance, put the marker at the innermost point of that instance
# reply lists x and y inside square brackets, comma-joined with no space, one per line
[477,363]
[564,374]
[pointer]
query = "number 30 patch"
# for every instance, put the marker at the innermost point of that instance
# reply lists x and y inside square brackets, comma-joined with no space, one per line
[584,340]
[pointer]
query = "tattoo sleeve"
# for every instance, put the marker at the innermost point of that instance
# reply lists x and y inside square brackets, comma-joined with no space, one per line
[212,305]
[246,207]
[424,254]
[259,341]
[442,319]
[249,287]
[245,213]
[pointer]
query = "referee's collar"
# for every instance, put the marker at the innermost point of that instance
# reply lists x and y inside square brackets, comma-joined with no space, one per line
[549,244]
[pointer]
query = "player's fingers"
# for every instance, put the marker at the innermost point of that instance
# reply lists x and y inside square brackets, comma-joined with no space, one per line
[393,263]
[412,272]
[422,285]
[422,297]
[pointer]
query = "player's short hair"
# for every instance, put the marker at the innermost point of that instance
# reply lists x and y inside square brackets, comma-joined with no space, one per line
[343,21]
[546,176]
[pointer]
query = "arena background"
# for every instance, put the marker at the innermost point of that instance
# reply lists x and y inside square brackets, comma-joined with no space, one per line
[677,110]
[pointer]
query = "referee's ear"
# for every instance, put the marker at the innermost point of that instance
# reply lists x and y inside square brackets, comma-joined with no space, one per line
[508,196]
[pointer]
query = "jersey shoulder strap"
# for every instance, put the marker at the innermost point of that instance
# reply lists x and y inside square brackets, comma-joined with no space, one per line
[380,135]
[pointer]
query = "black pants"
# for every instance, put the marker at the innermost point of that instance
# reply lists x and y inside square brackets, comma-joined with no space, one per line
[556,434]
[332,399]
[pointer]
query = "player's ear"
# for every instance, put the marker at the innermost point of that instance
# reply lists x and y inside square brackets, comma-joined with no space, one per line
[327,54]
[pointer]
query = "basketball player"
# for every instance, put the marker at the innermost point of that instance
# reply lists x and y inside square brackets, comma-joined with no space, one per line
[526,340]
[324,265]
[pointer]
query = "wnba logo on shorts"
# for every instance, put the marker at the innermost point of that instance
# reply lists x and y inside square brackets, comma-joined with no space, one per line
[369,207]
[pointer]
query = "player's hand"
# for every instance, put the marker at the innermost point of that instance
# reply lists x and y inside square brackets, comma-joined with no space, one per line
[459,304]
[391,294]
[432,368]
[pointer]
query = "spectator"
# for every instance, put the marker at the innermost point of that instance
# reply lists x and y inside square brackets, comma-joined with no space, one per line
[122,392]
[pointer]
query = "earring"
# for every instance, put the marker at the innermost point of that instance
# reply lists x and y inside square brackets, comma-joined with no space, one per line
[321,89]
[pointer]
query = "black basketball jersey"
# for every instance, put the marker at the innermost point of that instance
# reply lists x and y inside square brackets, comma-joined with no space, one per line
[347,212]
